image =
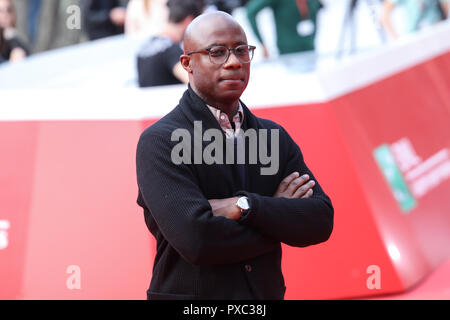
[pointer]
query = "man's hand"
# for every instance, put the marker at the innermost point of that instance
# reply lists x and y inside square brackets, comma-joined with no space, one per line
[292,187]
[295,187]
[226,208]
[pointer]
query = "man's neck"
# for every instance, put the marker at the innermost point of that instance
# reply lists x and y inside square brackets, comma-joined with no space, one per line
[229,108]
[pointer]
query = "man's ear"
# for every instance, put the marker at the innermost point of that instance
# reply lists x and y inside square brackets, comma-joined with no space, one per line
[186,62]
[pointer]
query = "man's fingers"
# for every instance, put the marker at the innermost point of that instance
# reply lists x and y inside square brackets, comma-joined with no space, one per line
[287,181]
[308,194]
[296,184]
[304,189]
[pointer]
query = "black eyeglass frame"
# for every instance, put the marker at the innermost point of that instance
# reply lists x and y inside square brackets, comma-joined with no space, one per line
[251,50]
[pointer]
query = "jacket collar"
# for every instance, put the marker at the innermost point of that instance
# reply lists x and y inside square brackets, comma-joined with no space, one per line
[195,109]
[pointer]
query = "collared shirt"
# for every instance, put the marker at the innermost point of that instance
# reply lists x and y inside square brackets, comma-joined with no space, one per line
[224,122]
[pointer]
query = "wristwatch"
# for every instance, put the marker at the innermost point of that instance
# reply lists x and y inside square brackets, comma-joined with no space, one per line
[242,203]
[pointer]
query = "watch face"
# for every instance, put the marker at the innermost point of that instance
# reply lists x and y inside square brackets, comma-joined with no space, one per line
[243,203]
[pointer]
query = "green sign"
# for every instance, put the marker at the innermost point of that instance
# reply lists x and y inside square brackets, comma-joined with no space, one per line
[394,177]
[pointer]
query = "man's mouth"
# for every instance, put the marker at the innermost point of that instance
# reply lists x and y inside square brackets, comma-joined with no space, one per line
[232,77]
[232,80]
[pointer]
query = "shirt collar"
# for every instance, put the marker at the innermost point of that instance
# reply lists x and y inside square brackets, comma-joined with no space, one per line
[218,114]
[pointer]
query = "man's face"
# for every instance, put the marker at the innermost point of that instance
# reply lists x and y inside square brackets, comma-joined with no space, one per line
[219,84]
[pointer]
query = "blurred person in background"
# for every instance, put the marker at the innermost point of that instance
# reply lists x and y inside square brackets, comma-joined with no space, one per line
[34,10]
[419,14]
[53,30]
[44,23]
[295,23]
[12,47]
[28,16]
[103,18]
[2,44]
[225,5]
[146,17]
[158,61]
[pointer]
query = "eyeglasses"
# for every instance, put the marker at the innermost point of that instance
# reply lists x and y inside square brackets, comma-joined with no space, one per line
[220,54]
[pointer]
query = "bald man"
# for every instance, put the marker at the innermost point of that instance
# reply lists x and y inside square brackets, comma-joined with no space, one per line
[217,204]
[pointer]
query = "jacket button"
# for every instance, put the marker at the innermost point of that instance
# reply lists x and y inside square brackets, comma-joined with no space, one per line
[248,268]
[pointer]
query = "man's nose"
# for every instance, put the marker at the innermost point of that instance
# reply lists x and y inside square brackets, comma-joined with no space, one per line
[232,62]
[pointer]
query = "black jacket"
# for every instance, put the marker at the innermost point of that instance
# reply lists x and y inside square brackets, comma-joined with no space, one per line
[200,256]
[97,22]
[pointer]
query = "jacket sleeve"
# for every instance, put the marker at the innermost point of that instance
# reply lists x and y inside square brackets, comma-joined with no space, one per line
[253,8]
[296,222]
[183,214]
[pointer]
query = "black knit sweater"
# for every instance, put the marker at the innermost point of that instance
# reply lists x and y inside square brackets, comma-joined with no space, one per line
[200,256]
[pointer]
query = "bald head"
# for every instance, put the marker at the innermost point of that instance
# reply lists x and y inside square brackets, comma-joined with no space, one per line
[206,23]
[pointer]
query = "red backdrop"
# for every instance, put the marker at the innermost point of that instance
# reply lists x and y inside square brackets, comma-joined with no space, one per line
[69,196]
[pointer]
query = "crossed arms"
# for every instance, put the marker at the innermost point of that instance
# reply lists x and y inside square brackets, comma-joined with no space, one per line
[211,231]
[293,186]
